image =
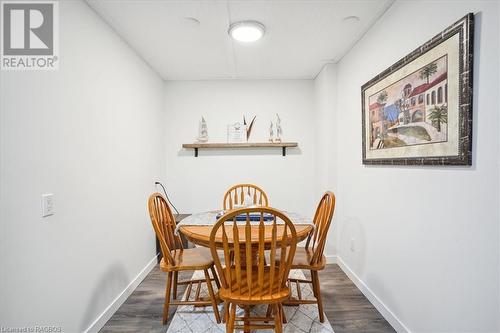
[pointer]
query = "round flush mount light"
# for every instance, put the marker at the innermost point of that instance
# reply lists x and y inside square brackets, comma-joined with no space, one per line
[246,31]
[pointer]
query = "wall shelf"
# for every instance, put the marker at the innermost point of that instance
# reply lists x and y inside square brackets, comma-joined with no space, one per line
[282,145]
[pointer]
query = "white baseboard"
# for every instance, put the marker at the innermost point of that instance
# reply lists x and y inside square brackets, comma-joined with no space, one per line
[379,305]
[331,259]
[121,298]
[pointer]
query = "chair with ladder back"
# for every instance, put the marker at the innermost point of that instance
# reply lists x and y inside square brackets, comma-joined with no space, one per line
[176,259]
[311,256]
[248,279]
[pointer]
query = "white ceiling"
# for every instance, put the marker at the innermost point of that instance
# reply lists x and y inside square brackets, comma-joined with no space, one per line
[301,36]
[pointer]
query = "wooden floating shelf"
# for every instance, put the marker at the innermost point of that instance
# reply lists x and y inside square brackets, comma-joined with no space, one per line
[282,145]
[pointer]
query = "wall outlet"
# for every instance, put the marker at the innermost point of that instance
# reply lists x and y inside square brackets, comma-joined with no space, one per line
[47,204]
[353,248]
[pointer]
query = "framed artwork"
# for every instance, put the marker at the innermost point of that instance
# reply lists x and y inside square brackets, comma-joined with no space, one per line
[419,110]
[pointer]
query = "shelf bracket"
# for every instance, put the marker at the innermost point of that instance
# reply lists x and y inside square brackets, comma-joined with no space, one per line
[284,150]
[196,152]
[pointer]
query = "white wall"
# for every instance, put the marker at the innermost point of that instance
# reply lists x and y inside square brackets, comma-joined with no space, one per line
[426,238]
[499,176]
[325,87]
[102,117]
[91,133]
[198,184]
[498,13]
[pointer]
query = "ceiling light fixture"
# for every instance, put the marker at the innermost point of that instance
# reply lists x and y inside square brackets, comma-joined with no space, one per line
[246,31]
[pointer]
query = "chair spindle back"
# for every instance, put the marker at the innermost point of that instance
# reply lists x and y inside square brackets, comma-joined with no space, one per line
[164,225]
[244,257]
[235,195]
[322,220]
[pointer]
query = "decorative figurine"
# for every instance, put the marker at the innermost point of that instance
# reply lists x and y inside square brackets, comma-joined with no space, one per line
[279,130]
[202,131]
[271,132]
[249,127]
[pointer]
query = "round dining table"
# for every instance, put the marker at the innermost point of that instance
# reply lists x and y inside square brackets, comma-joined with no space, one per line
[198,227]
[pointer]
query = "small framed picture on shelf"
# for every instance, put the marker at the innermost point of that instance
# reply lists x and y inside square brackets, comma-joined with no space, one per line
[236,133]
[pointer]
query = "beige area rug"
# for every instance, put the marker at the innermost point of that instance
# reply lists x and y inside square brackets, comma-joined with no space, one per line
[303,318]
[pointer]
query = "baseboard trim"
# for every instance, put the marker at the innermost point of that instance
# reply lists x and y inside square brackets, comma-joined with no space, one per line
[372,297]
[331,259]
[121,298]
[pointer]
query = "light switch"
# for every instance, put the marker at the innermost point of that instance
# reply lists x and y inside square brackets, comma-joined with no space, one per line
[47,204]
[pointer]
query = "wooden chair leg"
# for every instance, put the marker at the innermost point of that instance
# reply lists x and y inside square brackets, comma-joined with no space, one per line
[230,321]
[268,312]
[283,317]
[216,278]
[212,296]
[313,284]
[226,312]
[278,325]
[174,291]
[246,321]
[316,287]
[167,297]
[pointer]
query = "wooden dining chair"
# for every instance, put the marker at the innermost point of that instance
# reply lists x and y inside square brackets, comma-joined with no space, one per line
[176,259]
[247,278]
[311,256]
[236,194]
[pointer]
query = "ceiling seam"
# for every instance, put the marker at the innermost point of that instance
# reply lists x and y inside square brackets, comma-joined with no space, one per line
[235,64]
[243,78]
[234,76]
[368,28]
[87,2]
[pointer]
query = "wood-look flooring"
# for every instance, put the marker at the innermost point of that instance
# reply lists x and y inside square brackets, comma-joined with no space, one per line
[345,306]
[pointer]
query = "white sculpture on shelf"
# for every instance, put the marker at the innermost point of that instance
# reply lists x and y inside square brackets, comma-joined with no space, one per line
[202,131]
[271,132]
[279,130]
[248,201]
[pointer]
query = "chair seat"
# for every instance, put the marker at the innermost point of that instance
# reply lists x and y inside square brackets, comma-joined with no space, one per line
[197,258]
[257,295]
[302,259]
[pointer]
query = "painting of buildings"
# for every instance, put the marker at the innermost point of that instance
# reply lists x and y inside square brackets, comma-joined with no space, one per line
[413,110]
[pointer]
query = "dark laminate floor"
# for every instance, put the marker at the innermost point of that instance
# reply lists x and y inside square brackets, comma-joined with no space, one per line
[346,307]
